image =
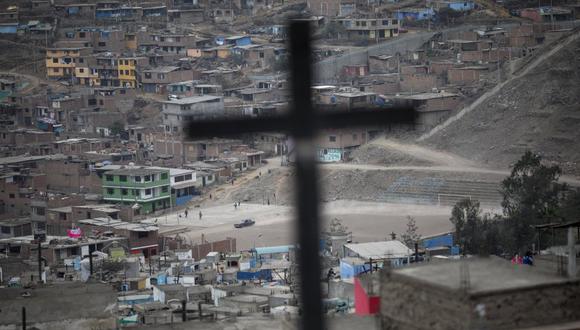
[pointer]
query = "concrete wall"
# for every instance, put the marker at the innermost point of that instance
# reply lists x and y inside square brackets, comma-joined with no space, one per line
[413,305]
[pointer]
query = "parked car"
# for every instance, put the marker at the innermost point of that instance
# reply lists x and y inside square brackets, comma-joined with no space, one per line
[245,223]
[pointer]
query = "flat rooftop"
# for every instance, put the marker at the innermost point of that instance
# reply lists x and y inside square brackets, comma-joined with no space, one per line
[485,275]
[194,99]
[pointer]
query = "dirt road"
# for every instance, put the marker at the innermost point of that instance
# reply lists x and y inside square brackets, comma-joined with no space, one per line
[275,224]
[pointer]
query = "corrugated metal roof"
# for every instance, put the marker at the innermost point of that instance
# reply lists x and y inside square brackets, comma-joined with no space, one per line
[379,250]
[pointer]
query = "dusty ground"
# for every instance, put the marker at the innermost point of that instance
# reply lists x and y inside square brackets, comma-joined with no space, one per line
[275,223]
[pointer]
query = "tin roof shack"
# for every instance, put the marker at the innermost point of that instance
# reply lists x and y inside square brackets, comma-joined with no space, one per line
[432,108]
[469,75]
[383,64]
[177,112]
[15,227]
[58,307]
[157,79]
[494,295]
[78,146]
[56,248]
[394,251]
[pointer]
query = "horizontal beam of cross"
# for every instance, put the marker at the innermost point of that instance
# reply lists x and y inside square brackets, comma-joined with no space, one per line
[286,123]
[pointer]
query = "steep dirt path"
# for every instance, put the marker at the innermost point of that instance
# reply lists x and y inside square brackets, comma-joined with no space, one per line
[423,153]
[492,93]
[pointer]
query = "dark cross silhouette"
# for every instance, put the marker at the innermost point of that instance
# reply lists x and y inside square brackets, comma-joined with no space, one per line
[302,123]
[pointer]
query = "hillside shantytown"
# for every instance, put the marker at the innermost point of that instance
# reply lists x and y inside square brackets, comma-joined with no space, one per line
[112,216]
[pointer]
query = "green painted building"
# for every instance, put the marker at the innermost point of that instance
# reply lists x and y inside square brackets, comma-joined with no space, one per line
[145,186]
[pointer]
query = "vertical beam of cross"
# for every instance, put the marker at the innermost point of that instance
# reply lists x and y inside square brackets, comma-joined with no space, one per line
[303,129]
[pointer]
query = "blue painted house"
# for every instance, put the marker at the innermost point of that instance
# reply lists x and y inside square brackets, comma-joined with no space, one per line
[458,5]
[414,14]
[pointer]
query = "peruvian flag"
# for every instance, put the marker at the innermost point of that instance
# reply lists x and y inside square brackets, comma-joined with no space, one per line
[74,233]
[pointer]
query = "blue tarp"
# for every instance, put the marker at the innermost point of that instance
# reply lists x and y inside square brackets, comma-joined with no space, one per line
[263,274]
[443,240]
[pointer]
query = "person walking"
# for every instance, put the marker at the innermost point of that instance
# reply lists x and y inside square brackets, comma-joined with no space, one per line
[235,206]
[200,215]
[186,212]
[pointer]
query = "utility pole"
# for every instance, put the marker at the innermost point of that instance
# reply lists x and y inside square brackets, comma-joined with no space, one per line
[39,260]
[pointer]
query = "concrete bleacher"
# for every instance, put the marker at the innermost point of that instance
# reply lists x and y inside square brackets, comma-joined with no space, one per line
[437,191]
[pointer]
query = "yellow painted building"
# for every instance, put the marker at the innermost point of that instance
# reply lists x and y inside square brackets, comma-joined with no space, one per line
[61,62]
[127,71]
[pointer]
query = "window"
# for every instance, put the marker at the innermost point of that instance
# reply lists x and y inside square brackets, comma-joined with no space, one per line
[55,60]
[386,22]
[123,178]
[147,178]
[11,196]
[148,191]
[122,91]
[137,179]
[110,191]
[161,76]
[81,70]
[179,179]
[332,138]
[163,176]
[395,21]
[5,230]
[82,34]
[56,70]
[126,72]
[135,192]
[39,210]
[148,75]
[374,23]
[261,54]
[124,192]
[102,44]
[142,234]
[164,189]
[81,60]
[188,177]
[363,23]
